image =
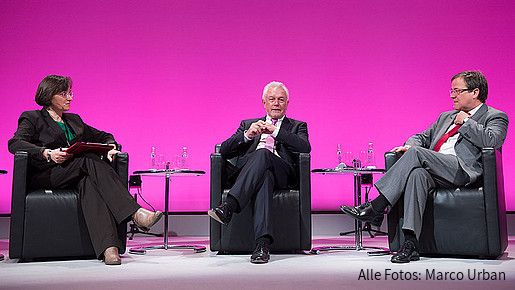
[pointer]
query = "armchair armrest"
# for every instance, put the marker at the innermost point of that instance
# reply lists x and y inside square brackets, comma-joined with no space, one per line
[120,164]
[305,178]
[305,199]
[19,190]
[215,197]
[495,205]
[390,158]
[216,179]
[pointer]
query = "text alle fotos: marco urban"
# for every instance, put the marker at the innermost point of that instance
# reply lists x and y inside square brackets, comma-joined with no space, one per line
[431,274]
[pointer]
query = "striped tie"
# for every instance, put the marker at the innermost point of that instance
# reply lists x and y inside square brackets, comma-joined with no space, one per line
[270,141]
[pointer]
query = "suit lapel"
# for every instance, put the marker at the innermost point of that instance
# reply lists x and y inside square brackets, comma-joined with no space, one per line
[56,130]
[285,126]
[482,111]
[440,131]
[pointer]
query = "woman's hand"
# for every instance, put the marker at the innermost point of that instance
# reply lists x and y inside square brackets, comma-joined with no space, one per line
[57,156]
[112,153]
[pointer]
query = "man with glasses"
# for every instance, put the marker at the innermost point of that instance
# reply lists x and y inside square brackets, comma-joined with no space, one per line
[266,149]
[448,153]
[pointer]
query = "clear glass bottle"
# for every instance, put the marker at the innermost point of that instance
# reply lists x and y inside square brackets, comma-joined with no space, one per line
[371,160]
[341,164]
[339,153]
[184,158]
[153,164]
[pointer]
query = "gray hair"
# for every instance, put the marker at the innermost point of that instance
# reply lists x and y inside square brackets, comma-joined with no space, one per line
[275,84]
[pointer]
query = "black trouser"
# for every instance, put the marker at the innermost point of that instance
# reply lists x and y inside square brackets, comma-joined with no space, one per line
[255,184]
[104,200]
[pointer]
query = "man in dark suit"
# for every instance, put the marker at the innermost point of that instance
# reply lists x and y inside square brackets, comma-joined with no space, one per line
[266,149]
[447,154]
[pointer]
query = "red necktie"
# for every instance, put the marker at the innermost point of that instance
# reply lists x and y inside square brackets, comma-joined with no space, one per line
[445,137]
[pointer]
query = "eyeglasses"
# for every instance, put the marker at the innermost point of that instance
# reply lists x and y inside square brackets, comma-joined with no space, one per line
[457,92]
[281,100]
[66,94]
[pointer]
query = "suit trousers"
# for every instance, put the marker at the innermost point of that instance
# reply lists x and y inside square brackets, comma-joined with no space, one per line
[104,200]
[416,175]
[262,172]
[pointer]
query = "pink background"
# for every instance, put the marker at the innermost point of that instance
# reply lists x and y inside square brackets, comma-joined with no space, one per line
[184,73]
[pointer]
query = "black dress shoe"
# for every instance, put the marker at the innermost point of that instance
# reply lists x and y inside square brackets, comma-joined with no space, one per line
[261,254]
[407,253]
[221,213]
[364,213]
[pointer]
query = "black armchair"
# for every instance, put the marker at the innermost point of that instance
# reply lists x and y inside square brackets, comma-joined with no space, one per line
[49,223]
[465,221]
[291,213]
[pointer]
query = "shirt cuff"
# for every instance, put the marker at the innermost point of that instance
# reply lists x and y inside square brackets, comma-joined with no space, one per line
[245,138]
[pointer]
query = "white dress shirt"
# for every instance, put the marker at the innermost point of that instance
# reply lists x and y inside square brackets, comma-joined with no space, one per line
[262,140]
[448,146]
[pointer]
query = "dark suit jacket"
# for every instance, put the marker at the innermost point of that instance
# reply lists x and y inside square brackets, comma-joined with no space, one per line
[37,131]
[486,128]
[291,140]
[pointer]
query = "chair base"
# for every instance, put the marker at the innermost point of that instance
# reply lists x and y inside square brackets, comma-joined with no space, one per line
[143,250]
[319,250]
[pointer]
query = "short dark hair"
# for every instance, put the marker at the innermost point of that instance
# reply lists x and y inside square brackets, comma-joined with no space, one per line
[475,80]
[52,85]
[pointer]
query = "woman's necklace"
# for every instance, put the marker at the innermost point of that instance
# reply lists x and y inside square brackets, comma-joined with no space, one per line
[55,116]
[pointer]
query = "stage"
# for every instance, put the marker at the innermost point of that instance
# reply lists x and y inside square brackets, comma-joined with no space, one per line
[162,269]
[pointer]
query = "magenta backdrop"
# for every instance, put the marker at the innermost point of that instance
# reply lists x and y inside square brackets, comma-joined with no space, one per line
[184,73]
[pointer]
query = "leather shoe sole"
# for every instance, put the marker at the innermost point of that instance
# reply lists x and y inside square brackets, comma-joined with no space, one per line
[155,219]
[406,255]
[111,257]
[214,215]
[114,262]
[375,220]
[259,260]
[398,260]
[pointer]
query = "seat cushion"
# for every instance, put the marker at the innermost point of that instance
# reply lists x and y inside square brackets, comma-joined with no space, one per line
[238,235]
[458,224]
[54,226]
[454,224]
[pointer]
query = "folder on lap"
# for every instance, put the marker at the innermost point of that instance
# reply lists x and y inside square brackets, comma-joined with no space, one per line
[82,147]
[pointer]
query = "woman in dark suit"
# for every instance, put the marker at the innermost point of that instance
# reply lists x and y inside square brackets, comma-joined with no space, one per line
[104,200]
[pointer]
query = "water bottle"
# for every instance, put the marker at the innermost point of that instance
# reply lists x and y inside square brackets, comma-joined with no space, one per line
[339,153]
[153,164]
[340,165]
[184,158]
[371,160]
